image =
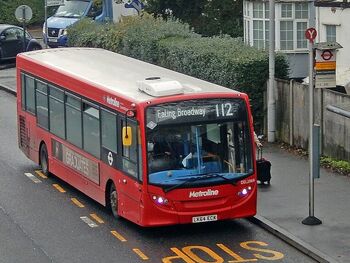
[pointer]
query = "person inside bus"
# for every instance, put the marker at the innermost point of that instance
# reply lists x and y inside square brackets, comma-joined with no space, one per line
[163,156]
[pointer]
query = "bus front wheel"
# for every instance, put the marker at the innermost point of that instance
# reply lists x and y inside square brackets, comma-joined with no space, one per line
[44,160]
[113,200]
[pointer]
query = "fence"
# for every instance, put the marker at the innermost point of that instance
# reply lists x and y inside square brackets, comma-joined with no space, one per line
[292,120]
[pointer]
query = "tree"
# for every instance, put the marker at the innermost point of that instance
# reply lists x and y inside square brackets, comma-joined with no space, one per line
[207,17]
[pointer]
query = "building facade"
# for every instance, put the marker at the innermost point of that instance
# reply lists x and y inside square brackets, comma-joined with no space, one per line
[292,18]
[333,24]
[291,21]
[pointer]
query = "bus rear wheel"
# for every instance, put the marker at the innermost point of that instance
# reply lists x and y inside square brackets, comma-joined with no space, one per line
[113,200]
[44,160]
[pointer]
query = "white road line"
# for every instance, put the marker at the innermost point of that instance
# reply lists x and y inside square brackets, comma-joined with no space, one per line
[33,178]
[88,221]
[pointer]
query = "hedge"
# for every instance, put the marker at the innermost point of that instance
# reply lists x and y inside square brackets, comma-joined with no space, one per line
[222,60]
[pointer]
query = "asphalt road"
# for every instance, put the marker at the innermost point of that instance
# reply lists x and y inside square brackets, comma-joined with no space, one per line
[46,220]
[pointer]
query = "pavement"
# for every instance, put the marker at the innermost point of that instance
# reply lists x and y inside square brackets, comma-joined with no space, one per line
[284,203]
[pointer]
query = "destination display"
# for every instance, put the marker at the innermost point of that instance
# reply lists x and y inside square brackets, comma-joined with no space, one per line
[196,111]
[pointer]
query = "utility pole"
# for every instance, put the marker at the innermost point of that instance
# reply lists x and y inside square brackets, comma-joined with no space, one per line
[271,102]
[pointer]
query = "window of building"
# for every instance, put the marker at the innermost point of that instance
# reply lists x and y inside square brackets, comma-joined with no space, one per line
[258,34]
[74,120]
[248,32]
[302,10]
[331,33]
[267,10]
[258,11]
[42,111]
[109,130]
[91,129]
[287,10]
[301,39]
[56,102]
[267,34]
[261,15]
[286,35]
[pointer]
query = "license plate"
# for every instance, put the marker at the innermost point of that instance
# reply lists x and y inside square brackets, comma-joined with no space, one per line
[52,39]
[207,218]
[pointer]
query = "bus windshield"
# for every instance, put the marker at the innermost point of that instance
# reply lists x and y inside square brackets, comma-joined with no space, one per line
[198,142]
[72,8]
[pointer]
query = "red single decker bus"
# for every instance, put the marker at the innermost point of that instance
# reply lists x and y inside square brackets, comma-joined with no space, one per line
[155,146]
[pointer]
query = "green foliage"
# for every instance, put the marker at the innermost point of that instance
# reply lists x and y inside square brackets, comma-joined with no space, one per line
[142,36]
[135,36]
[206,17]
[169,43]
[339,166]
[225,61]
[8,8]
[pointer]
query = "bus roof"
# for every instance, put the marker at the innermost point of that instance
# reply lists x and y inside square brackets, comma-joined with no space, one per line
[117,74]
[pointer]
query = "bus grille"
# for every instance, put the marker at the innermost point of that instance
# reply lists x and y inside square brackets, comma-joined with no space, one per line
[23,138]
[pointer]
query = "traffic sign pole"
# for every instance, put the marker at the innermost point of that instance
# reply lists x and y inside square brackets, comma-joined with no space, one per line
[311,34]
[46,28]
[24,29]
[23,14]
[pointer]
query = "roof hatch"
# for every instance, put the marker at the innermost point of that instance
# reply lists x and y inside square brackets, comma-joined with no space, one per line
[159,87]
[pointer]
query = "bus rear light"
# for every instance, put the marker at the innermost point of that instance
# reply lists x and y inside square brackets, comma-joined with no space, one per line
[159,200]
[244,191]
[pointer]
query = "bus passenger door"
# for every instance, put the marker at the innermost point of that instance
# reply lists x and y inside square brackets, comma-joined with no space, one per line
[130,185]
[130,197]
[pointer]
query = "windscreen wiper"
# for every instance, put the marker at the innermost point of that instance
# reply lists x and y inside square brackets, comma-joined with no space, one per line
[214,175]
[191,179]
[200,177]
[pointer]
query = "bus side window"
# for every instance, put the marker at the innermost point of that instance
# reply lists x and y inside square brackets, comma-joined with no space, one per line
[56,115]
[42,104]
[109,130]
[30,94]
[91,129]
[74,120]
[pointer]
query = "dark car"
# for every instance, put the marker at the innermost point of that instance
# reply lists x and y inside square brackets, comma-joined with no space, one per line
[11,42]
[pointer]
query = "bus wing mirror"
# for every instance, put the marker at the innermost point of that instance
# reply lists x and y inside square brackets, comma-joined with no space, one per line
[127,136]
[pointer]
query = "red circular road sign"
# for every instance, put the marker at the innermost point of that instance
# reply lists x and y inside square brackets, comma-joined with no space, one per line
[327,54]
[310,34]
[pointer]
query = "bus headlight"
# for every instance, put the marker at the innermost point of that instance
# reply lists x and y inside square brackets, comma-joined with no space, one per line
[244,191]
[159,200]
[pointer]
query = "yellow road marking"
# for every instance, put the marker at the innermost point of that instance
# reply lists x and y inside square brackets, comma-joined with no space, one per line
[140,253]
[237,257]
[119,236]
[97,218]
[59,188]
[77,202]
[38,172]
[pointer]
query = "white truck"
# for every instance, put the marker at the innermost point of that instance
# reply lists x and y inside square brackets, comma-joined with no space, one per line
[74,10]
